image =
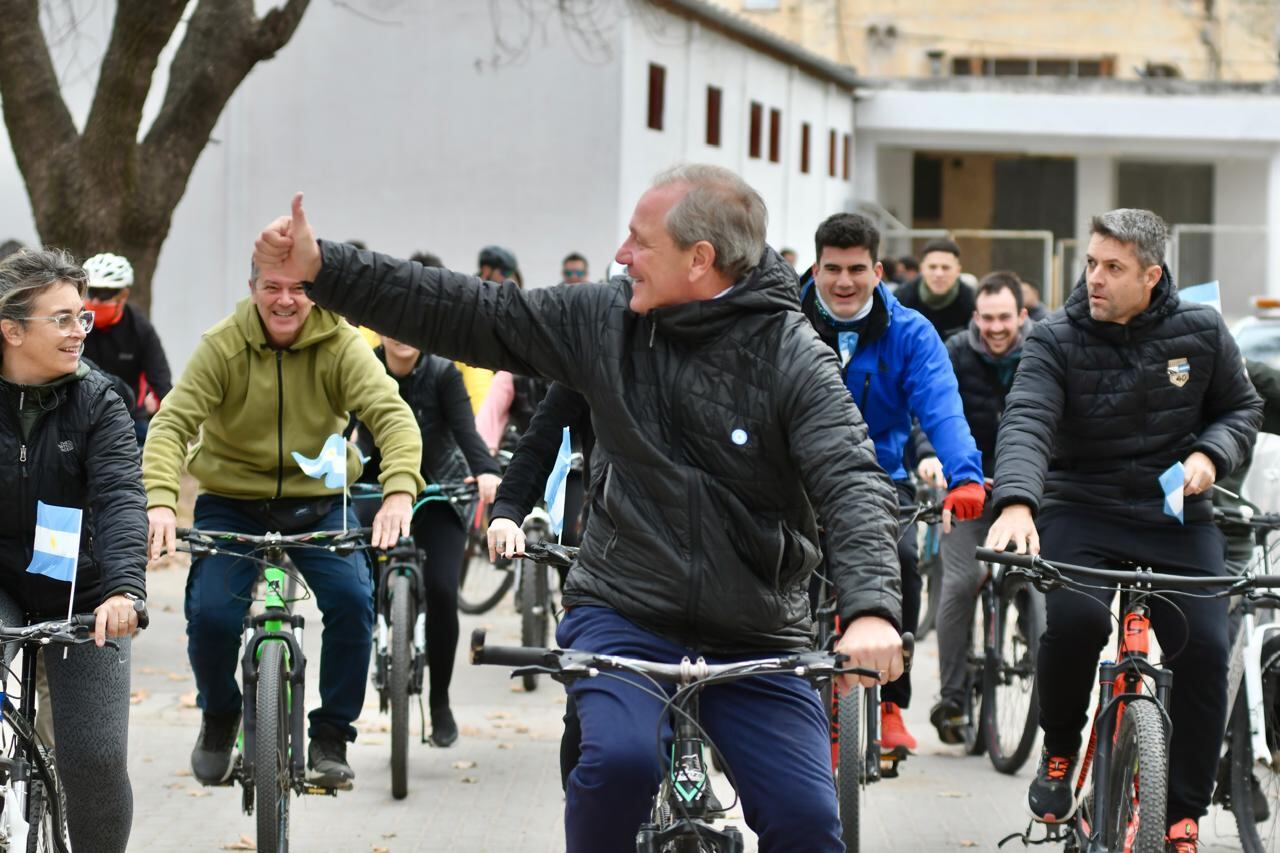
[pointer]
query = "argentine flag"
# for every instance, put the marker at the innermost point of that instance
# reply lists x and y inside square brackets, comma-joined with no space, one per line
[554,496]
[330,464]
[57,542]
[1171,482]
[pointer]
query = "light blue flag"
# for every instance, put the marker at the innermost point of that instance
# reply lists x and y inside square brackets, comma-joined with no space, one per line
[1171,483]
[848,346]
[1208,293]
[554,495]
[330,464]
[57,542]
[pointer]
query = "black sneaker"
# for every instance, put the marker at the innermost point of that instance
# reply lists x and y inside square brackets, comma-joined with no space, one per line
[327,763]
[1050,796]
[444,731]
[211,760]
[948,718]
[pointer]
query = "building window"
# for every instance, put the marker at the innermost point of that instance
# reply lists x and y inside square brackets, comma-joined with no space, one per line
[1022,66]
[831,153]
[804,147]
[775,135]
[757,120]
[713,116]
[846,143]
[657,94]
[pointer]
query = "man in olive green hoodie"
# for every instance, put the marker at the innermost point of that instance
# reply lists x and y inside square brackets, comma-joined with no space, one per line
[279,375]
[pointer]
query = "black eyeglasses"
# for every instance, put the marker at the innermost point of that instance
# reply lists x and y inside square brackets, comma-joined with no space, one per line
[66,322]
[104,294]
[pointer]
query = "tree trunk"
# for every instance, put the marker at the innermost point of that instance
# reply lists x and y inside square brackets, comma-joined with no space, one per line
[104,189]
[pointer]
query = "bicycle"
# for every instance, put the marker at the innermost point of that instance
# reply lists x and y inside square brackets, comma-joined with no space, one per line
[853,715]
[1127,753]
[1253,695]
[929,567]
[684,807]
[271,764]
[400,626]
[1009,619]
[33,818]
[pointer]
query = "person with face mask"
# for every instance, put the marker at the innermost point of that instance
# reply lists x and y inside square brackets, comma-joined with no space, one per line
[123,342]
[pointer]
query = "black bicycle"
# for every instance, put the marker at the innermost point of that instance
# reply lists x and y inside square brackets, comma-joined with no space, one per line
[272,761]
[400,626]
[1127,754]
[481,582]
[853,715]
[33,818]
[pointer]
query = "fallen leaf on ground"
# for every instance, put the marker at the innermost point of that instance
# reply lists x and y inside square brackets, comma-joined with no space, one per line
[505,746]
[197,793]
[188,700]
[968,843]
[149,670]
[136,696]
[470,731]
[953,795]
[469,780]
[463,765]
[177,676]
[182,771]
[243,843]
[522,730]
[498,715]
[380,850]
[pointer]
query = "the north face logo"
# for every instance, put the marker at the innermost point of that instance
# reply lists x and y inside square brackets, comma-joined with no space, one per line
[1179,371]
[66,446]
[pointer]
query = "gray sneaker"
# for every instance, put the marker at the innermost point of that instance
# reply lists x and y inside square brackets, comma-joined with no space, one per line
[327,763]
[211,760]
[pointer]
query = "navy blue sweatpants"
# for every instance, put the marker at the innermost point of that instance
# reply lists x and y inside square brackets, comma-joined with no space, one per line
[771,731]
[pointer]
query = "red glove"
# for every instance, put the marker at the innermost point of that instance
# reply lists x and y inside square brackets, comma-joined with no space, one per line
[965,501]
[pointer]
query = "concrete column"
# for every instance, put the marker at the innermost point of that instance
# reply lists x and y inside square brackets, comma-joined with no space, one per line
[1273,225]
[1095,191]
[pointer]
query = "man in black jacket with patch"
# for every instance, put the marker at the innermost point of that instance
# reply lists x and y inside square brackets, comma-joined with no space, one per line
[721,426]
[1110,393]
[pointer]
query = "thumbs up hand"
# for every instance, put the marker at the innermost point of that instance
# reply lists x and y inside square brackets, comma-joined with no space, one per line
[287,248]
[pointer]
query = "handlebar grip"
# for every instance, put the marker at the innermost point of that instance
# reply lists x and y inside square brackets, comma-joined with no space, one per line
[84,620]
[908,651]
[1008,558]
[144,618]
[505,655]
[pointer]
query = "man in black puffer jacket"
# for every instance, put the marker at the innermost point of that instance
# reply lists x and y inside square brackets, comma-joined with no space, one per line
[721,426]
[1125,383]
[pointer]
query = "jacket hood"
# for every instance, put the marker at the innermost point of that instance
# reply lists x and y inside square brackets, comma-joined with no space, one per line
[770,287]
[1164,301]
[319,325]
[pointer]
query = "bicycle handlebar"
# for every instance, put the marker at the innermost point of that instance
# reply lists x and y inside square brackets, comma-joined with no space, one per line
[1246,515]
[1038,567]
[550,553]
[65,632]
[568,664]
[341,541]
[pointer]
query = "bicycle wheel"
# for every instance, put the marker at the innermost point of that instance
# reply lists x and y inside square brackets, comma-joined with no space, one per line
[850,740]
[271,776]
[1255,781]
[534,603]
[481,584]
[930,569]
[1137,783]
[1010,702]
[402,622]
[974,734]
[44,834]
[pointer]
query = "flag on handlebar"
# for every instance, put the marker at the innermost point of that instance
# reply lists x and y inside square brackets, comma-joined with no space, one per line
[554,496]
[331,464]
[57,544]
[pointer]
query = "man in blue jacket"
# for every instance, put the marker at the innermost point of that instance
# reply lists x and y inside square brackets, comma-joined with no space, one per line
[896,367]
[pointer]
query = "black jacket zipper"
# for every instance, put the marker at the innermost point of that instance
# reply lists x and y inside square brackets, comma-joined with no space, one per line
[279,423]
[695,513]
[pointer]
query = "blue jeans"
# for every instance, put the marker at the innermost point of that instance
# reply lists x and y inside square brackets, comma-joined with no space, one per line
[771,730]
[218,593]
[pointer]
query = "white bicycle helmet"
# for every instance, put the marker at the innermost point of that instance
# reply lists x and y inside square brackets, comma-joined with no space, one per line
[108,271]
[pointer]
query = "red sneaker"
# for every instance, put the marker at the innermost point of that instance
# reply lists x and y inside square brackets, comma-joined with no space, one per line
[894,737]
[1182,837]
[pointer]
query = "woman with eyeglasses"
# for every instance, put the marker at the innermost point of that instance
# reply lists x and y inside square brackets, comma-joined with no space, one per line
[66,440]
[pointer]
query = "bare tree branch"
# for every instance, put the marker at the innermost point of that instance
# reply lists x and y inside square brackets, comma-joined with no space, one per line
[40,128]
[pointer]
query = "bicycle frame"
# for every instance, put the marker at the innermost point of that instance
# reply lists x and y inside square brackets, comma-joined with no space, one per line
[269,627]
[14,817]
[401,560]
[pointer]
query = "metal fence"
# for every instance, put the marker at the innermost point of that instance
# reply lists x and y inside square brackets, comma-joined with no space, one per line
[1233,255]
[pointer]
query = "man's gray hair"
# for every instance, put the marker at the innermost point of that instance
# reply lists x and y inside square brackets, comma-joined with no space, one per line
[722,209]
[27,274]
[1143,229]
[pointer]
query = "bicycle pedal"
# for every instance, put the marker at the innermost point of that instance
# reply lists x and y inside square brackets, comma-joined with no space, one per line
[319,791]
[889,768]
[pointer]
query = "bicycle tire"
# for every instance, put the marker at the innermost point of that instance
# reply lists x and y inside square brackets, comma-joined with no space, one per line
[850,764]
[1258,833]
[534,594]
[1010,702]
[930,569]
[1139,766]
[402,625]
[41,829]
[272,779]
[974,736]
[481,584]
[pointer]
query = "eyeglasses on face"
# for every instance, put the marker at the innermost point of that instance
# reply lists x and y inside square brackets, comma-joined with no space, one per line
[104,294]
[66,321]
[572,273]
